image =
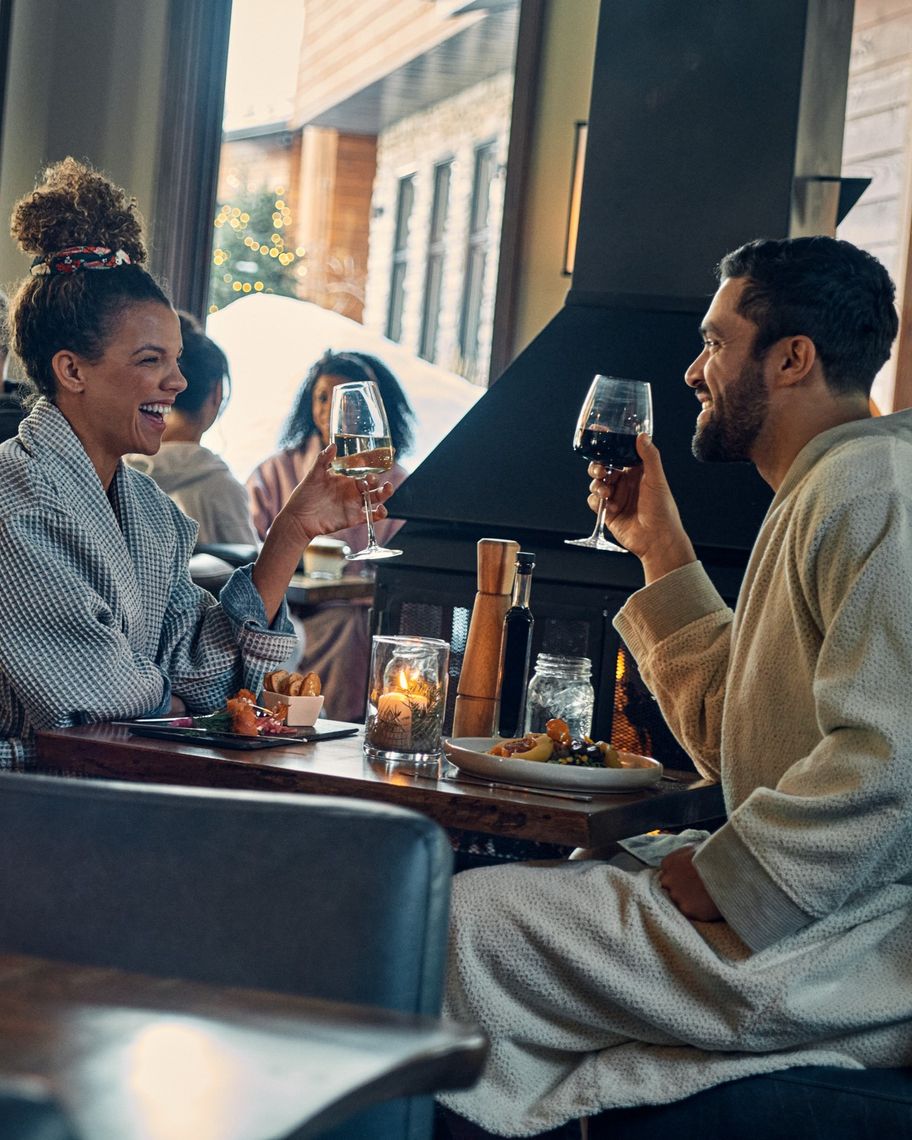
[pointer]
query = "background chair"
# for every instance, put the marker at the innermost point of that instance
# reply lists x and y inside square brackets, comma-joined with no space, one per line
[29,1112]
[339,899]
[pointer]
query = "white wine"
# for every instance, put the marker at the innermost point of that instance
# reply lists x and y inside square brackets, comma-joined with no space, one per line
[360,455]
[361,434]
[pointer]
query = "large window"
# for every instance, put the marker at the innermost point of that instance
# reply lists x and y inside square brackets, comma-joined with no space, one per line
[436,252]
[405,200]
[346,194]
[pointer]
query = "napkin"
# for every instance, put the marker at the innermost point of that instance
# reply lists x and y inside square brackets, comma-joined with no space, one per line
[652,847]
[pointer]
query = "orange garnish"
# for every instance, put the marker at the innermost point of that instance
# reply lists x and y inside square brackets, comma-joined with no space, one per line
[243,716]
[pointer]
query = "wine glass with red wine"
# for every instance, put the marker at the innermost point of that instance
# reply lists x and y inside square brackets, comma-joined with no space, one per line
[612,416]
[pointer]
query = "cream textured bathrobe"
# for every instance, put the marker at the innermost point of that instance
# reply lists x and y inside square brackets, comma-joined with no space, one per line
[99,619]
[596,991]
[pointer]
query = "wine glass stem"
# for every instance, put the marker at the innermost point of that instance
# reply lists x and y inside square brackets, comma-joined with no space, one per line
[599,528]
[368,513]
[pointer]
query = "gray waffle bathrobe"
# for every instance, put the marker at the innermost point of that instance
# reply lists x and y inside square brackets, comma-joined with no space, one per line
[99,619]
[596,990]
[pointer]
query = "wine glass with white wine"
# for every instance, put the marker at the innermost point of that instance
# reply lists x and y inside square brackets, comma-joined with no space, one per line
[360,431]
[613,414]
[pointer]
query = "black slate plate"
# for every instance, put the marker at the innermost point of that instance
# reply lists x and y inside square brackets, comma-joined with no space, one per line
[325,730]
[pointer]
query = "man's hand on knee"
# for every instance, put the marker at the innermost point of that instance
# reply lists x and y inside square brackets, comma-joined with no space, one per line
[678,876]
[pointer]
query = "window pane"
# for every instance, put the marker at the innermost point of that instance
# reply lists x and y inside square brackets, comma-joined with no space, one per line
[476,257]
[347,177]
[430,320]
[404,202]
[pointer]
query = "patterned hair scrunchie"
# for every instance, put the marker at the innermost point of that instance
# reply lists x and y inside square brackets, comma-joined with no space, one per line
[80,257]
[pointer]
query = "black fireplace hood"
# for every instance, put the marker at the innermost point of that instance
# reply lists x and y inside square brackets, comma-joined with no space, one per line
[711,123]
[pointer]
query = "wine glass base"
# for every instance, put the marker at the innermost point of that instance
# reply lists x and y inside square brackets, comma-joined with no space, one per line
[596,544]
[374,552]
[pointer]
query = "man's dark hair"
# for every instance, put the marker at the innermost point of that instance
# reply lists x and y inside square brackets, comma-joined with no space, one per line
[203,365]
[839,296]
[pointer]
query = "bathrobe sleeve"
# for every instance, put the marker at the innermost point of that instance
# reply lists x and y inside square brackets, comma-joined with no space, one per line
[74,652]
[838,824]
[679,631]
[65,654]
[211,648]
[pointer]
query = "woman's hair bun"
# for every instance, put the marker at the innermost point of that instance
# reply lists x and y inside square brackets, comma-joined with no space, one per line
[75,205]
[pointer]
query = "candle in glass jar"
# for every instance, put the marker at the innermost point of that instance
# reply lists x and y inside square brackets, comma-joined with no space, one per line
[406,699]
[395,708]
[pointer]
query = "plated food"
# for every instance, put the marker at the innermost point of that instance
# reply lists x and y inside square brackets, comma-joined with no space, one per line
[556,746]
[297,695]
[243,715]
[474,755]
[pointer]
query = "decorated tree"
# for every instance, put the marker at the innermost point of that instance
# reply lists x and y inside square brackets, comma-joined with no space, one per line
[253,250]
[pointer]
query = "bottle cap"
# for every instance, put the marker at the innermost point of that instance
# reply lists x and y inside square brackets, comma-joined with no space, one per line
[525,562]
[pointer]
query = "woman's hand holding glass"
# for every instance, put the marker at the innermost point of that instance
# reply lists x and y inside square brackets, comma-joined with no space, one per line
[360,430]
[324,501]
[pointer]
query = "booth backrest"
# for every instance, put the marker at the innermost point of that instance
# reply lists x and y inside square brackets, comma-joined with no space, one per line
[334,898]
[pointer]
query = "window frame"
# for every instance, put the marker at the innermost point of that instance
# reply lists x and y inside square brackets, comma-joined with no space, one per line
[395,307]
[476,257]
[435,260]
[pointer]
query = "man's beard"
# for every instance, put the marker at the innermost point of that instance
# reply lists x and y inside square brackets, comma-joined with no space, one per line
[735,419]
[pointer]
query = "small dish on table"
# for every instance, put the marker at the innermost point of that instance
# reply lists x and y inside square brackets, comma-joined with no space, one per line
[302,710]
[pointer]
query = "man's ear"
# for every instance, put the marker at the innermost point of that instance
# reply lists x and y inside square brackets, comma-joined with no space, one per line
[793,358]
[67,369]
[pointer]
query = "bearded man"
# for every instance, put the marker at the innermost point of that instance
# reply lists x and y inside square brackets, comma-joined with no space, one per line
[785,938]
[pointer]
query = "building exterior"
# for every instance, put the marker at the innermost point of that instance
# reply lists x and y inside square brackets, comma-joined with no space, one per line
[390,172]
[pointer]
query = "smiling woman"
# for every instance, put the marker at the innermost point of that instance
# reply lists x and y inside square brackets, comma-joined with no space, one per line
[101,619]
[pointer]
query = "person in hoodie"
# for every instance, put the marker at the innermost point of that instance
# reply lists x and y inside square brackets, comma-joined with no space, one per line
[12,413]
[194,477]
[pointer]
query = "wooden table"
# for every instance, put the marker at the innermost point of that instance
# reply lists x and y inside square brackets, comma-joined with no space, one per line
[339,768]
[141,1058]
[304,591]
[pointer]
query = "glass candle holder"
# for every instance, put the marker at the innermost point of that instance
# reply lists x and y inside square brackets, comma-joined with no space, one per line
[406,699]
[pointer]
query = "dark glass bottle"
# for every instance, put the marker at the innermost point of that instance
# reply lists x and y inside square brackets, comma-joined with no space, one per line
[517,648]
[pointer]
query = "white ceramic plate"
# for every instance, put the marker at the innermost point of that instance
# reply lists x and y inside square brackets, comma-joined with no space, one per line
[469,753]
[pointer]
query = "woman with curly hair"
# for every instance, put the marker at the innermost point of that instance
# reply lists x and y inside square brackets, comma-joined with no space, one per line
[101,619]
[337,645]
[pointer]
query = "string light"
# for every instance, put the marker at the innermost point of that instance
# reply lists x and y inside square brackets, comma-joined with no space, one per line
[275,251]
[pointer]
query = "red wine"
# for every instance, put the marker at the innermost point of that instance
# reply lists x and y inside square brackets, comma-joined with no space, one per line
[610,448]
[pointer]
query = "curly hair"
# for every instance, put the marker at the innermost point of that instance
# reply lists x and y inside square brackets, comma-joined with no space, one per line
[300,426]
[831,291]
[4,324]
[75,205]
[203,365]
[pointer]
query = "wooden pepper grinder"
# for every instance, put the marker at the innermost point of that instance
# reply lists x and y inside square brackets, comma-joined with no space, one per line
[477,698]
